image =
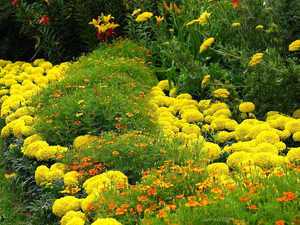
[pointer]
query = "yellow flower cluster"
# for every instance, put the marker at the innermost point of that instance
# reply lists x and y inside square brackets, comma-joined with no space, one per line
[84,141]
[253,145]
[221,93]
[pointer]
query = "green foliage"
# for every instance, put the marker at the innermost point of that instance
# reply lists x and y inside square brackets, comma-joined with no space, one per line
[175,48]
[65,33]
[100,93]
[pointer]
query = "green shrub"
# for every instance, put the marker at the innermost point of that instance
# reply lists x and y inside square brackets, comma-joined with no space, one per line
[101,92]
[175,48]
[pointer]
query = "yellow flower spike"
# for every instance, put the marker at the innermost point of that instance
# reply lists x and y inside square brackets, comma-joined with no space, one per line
[206,44]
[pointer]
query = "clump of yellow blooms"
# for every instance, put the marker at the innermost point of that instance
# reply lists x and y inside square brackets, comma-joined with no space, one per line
[253,145]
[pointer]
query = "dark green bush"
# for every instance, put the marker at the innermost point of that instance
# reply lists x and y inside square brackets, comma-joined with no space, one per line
[60,28]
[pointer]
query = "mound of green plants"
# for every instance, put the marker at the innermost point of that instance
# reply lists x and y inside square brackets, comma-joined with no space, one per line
[103,91]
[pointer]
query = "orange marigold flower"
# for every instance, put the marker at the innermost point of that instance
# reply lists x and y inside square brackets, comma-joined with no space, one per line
[287,196]
[152,191]
[121,211]
[139,208]
[192,203]
[244,199]
[179,196]
[279,222]
[161,214]
[203,202]
[172,207]
[142,198]
[252,207]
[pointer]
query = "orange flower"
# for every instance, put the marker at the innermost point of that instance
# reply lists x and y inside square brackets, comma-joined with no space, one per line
[203,202]
[279,222]
[287,196]
[139,208]
[142,198]
[172,207]
[244,199]
[112,205]
[93,172]
[192,203]
[161,214]
[252,207]
[121,211]
[152,191]
[179,196]
[216,190]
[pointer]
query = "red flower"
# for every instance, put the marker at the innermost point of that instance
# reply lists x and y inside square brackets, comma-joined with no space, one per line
[235,3]
[44,20]
[280,222]
[14,2]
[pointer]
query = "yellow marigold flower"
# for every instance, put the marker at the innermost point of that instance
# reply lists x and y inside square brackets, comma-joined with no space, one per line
[65,204]
[224,136]
[293,126]
[76,221]
[296,136]
[296,114]
[206,44]
[267,137]
[256,59]
[203,19]
[293,155]
[259,27]
[238,159]
[70,215]
[144,17]
[221,93]
[41,175]
[211,150]
[205,80]
[91,202]
[184,96]
[236,24]
[246,107]
[204,104]
[71,178]
[294,46]
[217,169]
[164,85]
[106,221]
[192,116]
